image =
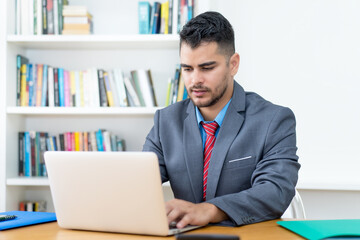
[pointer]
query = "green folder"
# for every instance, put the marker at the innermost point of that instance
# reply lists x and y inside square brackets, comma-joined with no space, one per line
[322,229]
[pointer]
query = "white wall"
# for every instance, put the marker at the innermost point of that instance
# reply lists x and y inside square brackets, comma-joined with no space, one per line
[305,54]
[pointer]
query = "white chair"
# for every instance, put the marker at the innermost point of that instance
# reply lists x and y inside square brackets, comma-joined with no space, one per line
[296,208]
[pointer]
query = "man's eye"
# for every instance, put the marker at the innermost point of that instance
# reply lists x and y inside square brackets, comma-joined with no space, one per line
[207,68]
[186,69]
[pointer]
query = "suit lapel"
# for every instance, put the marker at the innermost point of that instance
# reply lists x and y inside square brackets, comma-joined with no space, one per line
[193,152]
[228,131]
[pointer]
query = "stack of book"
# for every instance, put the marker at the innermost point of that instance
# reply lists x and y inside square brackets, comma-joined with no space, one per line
[32,146]
[77,20]
[165,18]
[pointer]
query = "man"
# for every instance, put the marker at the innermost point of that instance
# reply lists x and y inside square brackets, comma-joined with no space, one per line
[230,155]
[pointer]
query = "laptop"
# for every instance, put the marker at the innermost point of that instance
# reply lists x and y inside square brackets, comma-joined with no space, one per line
[108,191]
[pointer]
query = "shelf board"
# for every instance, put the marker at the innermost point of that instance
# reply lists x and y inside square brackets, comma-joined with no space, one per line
[28,181]
[82,110]
[90,42]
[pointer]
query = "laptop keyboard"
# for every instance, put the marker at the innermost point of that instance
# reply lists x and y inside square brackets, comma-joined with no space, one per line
[172,225]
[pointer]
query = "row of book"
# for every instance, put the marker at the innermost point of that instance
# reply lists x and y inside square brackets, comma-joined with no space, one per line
[37,17]
[32,146]
[43,85]
[33,206]
[164,18]
[176,90]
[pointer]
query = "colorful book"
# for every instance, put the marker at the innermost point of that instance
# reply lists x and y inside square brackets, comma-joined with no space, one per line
[144,11]
[20,60]
[44,86]
[156,21]
[164,25]
[61,87]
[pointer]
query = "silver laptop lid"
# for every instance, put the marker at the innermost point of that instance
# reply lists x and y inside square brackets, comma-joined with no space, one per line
[107,191]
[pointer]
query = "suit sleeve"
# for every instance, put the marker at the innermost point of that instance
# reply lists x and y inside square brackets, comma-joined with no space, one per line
[153,144]
[274,179]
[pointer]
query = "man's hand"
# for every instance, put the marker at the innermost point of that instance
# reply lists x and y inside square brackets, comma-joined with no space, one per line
[185,213]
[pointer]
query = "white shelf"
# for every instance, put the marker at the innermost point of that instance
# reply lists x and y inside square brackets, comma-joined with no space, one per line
[28,111]
[27,181]
[98,42]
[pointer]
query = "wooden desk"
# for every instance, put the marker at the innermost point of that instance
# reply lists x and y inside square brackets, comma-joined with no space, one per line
[50,231]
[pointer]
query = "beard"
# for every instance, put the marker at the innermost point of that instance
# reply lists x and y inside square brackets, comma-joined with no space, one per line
[214,96]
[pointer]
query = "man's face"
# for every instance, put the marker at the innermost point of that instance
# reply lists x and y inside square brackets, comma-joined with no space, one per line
[207,74]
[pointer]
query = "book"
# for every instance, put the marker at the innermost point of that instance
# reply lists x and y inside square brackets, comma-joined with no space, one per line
[120,86]
[136,84]
[44,86]
[26,218]
[61,87]
[21,153]
[102,91]
[23,94]
[20,60]
[144,81]
[164,25]
[50,16]
[156,15]
[108,89]
[39,84]
[51,87]
[144,11]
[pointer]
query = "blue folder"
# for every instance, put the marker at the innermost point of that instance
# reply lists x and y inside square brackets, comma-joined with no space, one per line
[325,229]
[26,218]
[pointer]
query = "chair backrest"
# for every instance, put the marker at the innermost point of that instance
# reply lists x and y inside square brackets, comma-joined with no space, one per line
[296,208]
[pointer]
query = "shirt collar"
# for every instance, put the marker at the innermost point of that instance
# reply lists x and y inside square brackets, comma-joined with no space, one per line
[219,118]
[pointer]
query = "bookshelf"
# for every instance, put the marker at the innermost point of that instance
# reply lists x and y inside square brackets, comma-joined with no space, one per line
[111,46]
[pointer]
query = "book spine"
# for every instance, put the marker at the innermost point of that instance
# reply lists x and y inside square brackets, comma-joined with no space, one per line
[44,86]
[38,154]
[77,141]
[56,87]
[27,155]
[136,84]
[31,84]
[32,152]
[61,87]
[108,89]
[50,16]
[144,17]
[39,84]
[99,141]
[102,91]
[42,151]
[23,85]
[21,153]
[51,87]
[44,17]
[81,84]
[78,93]
[72,89]
[67,88]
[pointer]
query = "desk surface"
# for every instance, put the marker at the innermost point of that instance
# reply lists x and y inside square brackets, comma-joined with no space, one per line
[264,230]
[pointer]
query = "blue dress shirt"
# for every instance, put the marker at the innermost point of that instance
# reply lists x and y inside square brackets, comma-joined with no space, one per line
[219,119]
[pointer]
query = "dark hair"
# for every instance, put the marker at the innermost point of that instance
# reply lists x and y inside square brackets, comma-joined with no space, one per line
[209,27]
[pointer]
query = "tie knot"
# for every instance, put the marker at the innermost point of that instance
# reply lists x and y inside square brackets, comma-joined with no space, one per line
[210,128]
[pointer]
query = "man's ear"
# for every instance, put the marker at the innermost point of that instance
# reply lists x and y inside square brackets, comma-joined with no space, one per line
[234,63]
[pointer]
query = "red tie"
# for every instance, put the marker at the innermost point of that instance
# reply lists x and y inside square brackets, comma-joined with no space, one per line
[210,129]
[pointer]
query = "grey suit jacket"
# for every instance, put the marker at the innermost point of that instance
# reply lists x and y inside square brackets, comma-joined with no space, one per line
[253,168]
